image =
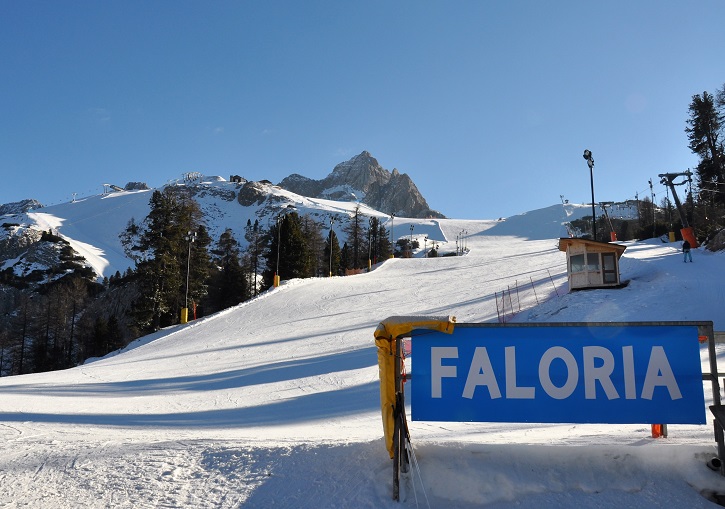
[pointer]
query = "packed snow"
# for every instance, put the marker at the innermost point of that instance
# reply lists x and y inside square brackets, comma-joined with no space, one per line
[275,402]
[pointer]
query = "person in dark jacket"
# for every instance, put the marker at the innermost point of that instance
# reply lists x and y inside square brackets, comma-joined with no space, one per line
[686,251]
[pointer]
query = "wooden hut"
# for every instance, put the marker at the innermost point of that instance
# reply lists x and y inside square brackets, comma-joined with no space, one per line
[591,264]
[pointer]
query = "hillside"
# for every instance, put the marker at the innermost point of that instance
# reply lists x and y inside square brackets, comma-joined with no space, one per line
[92,224]
[275,403]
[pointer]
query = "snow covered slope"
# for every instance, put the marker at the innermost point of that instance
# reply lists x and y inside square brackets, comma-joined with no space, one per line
[275,403]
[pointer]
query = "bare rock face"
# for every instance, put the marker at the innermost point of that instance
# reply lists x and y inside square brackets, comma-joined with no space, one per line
[19,207]
[35,257]
[717,243]
[302,185]
[252,193]
[15,240]
[362,178]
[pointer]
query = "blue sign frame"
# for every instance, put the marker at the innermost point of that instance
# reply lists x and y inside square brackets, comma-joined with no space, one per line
[580,374]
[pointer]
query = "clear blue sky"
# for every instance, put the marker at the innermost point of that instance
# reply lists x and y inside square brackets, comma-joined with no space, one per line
[488,106]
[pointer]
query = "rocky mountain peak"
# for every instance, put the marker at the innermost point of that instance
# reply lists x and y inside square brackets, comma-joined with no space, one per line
[363,178]
[359,163]
[19,207]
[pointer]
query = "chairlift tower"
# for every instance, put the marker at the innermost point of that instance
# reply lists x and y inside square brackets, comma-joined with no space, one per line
[668,179]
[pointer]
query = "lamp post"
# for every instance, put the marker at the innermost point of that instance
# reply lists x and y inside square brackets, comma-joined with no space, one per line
[275,283]
[392,234]
[332,221]
[370,244]
[590,163]
[190,237]
[425,246]
[411,240]
[654,210]
[256,254]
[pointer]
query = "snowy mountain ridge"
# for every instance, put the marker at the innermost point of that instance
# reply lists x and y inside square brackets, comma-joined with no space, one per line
[91,225]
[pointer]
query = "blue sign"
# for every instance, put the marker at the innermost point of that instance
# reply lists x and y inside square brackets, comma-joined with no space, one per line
[579,374]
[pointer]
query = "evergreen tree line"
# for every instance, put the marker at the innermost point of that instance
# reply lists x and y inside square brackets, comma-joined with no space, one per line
[179,266]
[60,325]
[298,247]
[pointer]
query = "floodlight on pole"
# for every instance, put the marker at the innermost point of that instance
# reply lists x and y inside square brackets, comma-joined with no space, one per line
[392,233]
[275,282]
[370,244]
[332,221]
[190,237]
[590,163]
[654,217]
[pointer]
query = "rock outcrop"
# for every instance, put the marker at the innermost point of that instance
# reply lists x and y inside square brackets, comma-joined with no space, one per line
[363,179]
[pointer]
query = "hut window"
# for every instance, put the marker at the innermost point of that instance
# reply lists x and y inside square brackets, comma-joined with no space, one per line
[577,263]
[592,261]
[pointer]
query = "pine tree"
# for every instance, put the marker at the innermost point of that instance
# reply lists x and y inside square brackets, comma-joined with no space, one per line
[380,243]
[231,279]
[312,233]
[356,239]
[165,251]
[345,258]
[96,344]
[21,336]
[288,249]
[703,130]
[41,344]
[158,270]
[199,266]
[254,236]
[114,339]
[77,292]
[384,247]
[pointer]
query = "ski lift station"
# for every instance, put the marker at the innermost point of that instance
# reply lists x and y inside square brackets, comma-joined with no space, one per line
[591,264]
